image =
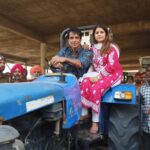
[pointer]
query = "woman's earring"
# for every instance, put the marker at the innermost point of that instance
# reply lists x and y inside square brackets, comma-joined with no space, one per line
[110,34]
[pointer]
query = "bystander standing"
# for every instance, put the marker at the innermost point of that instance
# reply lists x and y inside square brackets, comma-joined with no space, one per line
[145,106]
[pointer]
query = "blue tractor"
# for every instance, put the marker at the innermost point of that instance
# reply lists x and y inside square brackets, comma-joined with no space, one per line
[36,109]
[44,115]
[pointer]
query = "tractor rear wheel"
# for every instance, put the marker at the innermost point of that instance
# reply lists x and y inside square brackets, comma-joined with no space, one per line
[124,126]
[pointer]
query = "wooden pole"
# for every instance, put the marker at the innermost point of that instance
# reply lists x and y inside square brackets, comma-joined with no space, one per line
[43,55]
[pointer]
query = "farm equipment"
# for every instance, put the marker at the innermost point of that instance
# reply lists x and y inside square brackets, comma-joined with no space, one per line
[36,108]
[120,112]
[46,113]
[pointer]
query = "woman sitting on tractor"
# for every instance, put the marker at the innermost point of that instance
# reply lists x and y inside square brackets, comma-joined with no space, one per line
[107,71]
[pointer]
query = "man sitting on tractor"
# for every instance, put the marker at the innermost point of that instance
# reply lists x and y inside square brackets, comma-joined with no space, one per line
[73,58]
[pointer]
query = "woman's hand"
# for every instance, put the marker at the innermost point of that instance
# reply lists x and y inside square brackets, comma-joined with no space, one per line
[94,79]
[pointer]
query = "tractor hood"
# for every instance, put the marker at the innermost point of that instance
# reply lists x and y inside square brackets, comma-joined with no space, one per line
[20,98]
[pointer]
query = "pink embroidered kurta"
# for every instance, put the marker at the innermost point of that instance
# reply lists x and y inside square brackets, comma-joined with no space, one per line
[110,72]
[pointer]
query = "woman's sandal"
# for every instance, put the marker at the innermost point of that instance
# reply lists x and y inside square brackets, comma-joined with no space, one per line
[93,131]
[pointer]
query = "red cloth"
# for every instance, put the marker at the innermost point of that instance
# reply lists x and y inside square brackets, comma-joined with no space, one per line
[138,74]
[17,66]
[36,68]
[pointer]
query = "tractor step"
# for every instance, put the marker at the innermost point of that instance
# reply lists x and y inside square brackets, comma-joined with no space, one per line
[85,139]
[87,136]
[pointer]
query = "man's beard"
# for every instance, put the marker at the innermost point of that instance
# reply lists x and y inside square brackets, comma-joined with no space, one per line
[17,77]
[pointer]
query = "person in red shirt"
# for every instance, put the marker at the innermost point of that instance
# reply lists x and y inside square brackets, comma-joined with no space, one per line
[17,73]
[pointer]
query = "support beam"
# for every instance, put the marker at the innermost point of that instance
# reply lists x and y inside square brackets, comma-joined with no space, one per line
[19,42]
[132,27]
[43,55]
[19,29]
[133,61]
[14,58]
[134,53]
[131,68]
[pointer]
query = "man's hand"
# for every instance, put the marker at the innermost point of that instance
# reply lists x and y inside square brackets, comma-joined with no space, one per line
[56,60]
[58,65]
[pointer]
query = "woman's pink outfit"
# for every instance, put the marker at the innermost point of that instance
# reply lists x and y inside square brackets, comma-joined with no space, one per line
[110,72]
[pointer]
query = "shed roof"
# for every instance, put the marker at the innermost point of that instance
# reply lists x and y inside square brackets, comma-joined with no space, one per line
[24,24]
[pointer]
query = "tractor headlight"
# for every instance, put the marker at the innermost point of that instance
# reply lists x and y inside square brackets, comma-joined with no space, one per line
[123,95]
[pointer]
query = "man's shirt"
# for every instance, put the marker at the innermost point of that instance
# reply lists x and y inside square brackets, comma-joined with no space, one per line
[145,92]
[84,56]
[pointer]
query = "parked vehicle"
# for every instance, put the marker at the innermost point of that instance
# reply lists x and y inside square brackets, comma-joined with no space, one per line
[46,113]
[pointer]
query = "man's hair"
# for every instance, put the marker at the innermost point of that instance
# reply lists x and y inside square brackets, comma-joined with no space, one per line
[74,30]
